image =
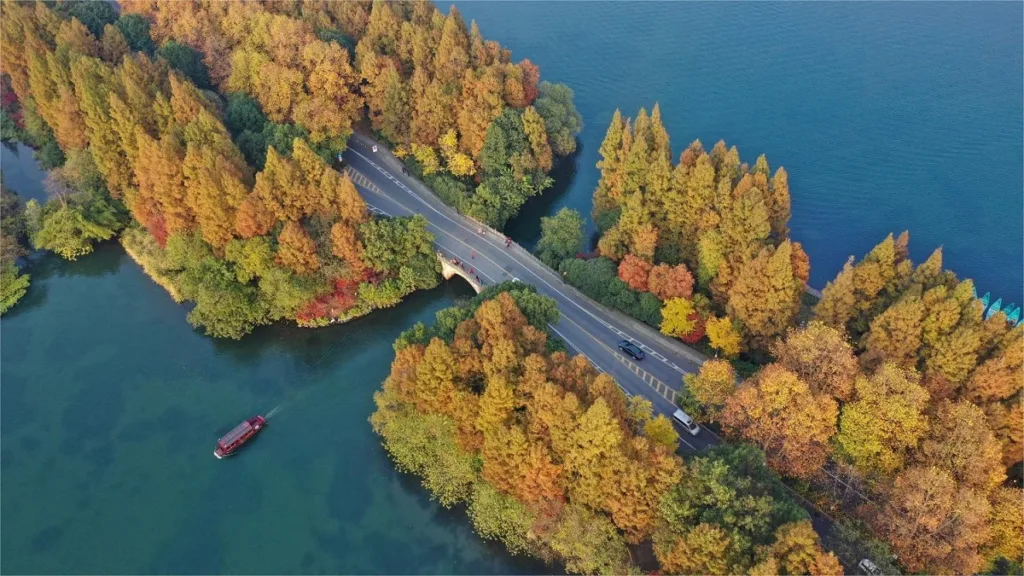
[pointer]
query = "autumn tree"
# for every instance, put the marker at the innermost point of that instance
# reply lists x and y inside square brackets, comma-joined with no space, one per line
[679,318]
[594,456]
[819,355]
[779,412]
[705,549]
[838,300]
[535,130]
[934,525]
[634,272]
[668,282]
[724,336]
[962,444]
[296,249]
[766,294]
[797,550]
[1006,523]
[999,377]
[451,58]
[345,244]
[712,386]
[883,422]
[480,103]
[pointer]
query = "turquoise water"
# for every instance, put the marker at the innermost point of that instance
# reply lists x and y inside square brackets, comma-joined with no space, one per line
[887,115]
[21,173]
[111,407]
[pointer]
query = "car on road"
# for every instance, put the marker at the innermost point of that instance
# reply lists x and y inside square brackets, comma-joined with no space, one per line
[631,349]
[687,422]
[375,148]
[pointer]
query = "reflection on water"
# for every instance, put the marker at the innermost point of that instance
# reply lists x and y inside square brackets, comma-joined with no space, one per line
[524,228]
[21,172]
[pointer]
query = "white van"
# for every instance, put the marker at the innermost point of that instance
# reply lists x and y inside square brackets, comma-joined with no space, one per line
[687,422]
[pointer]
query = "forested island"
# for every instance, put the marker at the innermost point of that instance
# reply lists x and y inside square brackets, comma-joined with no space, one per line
[202,135]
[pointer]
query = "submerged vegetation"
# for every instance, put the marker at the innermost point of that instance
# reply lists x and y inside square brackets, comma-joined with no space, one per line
[207,131]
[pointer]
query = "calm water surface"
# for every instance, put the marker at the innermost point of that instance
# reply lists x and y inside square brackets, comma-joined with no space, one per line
[887,115]
[111,407]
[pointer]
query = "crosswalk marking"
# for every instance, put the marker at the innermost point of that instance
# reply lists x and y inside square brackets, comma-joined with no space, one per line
[663,390]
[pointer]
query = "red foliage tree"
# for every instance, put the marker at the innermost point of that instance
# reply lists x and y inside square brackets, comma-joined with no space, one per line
[634,271]
[531,76]
[667,282]
[698,329]
[331,305]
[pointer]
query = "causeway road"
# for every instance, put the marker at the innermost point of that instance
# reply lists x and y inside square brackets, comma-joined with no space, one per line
[586,326]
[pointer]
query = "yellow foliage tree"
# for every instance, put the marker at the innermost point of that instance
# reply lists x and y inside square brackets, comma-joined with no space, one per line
[884,422]
[724,336]
[427,158]
[713,385]
[678,317]
[457,163]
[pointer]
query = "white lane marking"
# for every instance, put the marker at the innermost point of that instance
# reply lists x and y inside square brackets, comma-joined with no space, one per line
[375,189]
[528,269]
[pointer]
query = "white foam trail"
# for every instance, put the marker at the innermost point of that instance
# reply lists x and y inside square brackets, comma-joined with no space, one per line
[274,410]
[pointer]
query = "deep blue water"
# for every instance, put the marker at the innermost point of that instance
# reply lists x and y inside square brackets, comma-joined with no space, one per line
[887,116]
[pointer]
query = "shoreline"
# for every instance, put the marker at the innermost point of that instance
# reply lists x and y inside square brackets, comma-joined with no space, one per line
[161,280]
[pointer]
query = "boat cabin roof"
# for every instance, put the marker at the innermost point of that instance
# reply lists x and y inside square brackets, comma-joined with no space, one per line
[236,433]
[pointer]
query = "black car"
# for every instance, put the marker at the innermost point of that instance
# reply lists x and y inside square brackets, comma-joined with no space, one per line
[631,349]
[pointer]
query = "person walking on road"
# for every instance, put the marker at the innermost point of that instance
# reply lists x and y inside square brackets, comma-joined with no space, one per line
[472,254]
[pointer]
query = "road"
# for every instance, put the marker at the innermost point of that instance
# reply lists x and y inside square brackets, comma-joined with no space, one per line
[586,326]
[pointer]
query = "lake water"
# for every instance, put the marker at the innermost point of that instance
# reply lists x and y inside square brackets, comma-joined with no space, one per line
[887,115]
[111,408]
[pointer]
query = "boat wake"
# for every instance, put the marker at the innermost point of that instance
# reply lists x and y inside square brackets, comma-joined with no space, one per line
[274,410]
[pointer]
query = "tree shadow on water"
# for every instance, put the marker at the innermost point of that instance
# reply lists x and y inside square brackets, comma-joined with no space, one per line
[105,260]
[524,228]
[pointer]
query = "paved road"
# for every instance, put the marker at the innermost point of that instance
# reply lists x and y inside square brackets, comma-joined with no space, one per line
[586,326]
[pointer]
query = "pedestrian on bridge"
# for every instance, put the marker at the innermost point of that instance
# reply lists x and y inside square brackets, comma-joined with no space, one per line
[472,254]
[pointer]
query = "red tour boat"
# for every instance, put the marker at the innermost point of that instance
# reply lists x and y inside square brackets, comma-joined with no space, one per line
[238,436]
